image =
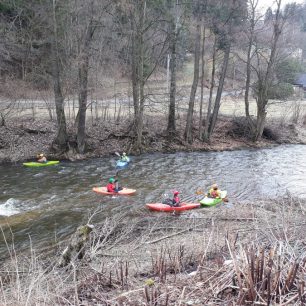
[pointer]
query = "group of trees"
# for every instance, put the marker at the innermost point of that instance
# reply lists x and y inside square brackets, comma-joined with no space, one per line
[59,43]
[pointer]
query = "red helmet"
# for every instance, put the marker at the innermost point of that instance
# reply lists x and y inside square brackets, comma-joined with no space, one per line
[175,192]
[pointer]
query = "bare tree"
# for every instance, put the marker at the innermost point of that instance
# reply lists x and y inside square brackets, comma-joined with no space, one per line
[138,78]
[197,46]
[235,8]
[211,90]
[174,32]
[61,139]
[202,82]
[84,43]
[251,36]
[264,70]
[148,45]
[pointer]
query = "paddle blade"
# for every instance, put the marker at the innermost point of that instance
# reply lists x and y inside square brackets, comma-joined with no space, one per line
[118,154]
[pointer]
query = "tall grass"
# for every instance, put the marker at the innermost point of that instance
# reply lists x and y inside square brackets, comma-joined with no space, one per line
[249,255]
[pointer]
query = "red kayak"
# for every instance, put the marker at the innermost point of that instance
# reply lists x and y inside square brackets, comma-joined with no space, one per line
[124,191]
[165,207]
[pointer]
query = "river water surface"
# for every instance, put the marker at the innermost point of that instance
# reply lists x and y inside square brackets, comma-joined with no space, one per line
[47,203]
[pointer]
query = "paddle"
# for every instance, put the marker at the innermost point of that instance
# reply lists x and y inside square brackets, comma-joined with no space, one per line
[187,199]
[199,191]
[118,154]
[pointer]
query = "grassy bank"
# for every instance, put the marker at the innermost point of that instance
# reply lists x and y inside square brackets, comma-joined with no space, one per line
[249,254]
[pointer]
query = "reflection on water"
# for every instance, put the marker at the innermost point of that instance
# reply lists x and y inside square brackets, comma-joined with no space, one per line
[47,203]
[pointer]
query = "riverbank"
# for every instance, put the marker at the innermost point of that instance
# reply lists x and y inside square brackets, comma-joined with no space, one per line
[25,139]
[247,254]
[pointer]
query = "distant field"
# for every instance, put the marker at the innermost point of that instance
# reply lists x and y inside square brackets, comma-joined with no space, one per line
[121,105]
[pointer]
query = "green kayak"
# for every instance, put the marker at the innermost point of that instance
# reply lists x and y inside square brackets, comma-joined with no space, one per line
[36,164]
[213,201]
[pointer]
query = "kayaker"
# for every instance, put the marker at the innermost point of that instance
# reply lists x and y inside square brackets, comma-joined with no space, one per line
[214,192]
[41,158]
[176,200]
[124,157]
[111,186]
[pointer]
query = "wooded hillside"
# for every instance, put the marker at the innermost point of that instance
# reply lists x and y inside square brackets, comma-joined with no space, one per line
[82,48]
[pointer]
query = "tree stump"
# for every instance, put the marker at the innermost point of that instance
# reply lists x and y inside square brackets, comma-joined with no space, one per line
[76,247]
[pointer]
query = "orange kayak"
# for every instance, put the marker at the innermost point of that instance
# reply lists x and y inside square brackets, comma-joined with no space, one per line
[124,191]
[168,208]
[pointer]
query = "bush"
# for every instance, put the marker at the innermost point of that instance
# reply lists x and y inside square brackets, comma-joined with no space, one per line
[271,133]
[240,128]
[281,91]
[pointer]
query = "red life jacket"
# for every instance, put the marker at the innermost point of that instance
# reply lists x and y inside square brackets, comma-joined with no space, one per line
[176,199]
[110,187]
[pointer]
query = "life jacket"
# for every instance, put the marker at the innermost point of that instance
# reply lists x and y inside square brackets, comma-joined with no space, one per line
[42,159]
[110,187]
[124,158]
[176,200]
[214,193]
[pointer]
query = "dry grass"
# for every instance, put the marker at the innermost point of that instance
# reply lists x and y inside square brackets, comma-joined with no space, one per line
[250,255]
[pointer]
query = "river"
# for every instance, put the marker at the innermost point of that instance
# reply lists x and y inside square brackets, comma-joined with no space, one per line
[43,205]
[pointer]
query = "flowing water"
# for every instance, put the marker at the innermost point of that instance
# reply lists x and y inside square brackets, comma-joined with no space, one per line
[45,204]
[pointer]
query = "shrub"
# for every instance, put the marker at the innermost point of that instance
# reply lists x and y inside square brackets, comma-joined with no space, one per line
[281,91]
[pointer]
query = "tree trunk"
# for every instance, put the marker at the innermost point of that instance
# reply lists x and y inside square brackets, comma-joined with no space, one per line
[211,91]
[134,60]
[139,121]
[139,79]
[189,124]
[83,88]
[215,113]
[202,85]
[61,139]
[248,81]
[171,118]
[248,67]
[81,116]
[261,119]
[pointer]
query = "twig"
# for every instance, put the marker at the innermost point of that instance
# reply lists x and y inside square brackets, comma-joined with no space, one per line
[169,236]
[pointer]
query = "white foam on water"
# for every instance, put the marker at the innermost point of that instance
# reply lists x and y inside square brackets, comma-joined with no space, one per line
[38,174]
[9,207]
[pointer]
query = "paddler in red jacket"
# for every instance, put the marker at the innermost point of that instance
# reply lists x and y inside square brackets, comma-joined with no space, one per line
[176,200]
[111,186]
